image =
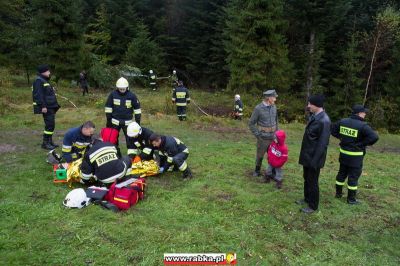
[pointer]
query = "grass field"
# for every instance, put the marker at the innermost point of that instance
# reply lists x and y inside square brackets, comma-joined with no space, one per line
[223,209]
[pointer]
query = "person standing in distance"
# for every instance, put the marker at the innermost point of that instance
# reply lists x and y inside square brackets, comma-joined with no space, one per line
[313,151]
[263,124]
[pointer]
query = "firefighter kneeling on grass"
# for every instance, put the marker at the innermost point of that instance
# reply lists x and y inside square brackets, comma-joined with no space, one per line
[173,154]
[101,163]
[139,142]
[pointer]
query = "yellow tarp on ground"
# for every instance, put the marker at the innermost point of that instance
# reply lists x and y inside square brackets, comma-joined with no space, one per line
[142,168]
[145,168]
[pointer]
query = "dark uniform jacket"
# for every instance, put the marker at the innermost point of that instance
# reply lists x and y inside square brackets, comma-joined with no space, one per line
[43,95]
[180,95]
[83,80]
[315,141]
[264,116]
[102,163]
[238,107]
[74,144]
[141,145]
[121,106]
[172,150]
[354,134]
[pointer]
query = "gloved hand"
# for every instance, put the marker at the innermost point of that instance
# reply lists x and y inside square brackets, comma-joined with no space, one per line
[161,170]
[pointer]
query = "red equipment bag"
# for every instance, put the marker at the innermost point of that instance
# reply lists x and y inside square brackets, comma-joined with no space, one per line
[139,185]
[123,197]
[109,134]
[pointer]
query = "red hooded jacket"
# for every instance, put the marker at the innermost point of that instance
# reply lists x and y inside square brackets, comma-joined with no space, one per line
[277,150]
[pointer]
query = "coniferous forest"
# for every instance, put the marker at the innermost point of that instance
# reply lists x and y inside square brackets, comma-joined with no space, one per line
[348,50]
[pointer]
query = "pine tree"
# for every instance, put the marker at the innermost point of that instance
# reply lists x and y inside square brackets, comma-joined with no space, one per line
[143,52]
[348,84]
[59,35]
[257,53]
[97,40]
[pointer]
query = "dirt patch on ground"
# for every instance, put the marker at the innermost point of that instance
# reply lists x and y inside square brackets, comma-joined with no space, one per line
[386,149]
[220,129]
[4,148]
[221,111]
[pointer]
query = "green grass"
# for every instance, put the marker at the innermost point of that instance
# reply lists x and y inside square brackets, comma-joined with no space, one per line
[223,209]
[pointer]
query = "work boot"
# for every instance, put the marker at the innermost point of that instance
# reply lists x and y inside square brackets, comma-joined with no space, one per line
[339,192]
[267,178]
[51,142]
[257,171]
[278,184]
[46,143]
[351,197]
[187,174]
[307,210]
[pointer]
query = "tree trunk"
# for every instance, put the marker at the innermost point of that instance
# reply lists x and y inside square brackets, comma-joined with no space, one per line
[371,67]
[310,66]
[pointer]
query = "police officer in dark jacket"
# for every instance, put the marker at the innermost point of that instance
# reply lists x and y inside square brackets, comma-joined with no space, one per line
[313,151]
[354,135]
[139,142]
[263,123]
[173,154]
[45,103]
[76,140]
[102,163]
[180,97]
[120,107]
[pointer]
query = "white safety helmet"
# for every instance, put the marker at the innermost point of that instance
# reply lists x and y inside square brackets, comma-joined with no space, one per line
[122,83]
[237,97]
[151,71]
[133,129]
[174,72]
[76,199]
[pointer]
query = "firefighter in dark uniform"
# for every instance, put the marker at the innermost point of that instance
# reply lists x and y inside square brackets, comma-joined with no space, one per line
[238,108]
[180,97]
[102,163]
[45,103]
[173,154]
[139,142]
[354,135]
[76,140]
[120,107]
[152,80]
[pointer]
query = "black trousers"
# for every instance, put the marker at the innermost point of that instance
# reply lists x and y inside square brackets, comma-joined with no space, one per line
[353,173]
[124,128]
[49,119]
[311,187]
[181,112]
[85,89]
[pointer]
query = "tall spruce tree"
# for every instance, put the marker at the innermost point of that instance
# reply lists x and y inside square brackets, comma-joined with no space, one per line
[256,48]
[97,40]
[57,23]
[143,52]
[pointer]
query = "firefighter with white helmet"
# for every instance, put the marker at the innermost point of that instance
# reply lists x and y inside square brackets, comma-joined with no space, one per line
[238,108]
[138,142]
[174,79]
[120,107]
[152,80]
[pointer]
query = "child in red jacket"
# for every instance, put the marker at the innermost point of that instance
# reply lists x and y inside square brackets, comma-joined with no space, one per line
[277,157]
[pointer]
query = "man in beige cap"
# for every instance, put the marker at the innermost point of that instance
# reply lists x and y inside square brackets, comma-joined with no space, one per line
[263,124]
